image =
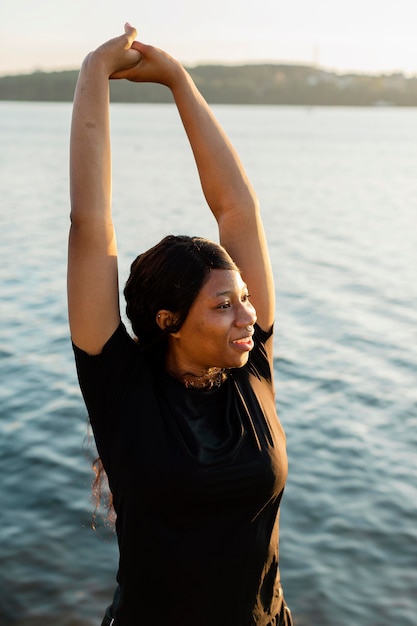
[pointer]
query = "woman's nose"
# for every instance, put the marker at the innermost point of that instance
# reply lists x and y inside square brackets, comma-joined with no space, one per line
[247,316]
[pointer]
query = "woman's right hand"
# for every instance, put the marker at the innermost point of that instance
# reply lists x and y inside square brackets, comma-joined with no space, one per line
[117,54]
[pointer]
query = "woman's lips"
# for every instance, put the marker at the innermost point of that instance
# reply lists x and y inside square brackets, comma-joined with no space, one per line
[243,343]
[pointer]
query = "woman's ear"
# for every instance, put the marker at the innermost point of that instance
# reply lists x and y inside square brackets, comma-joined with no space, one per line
[165,319]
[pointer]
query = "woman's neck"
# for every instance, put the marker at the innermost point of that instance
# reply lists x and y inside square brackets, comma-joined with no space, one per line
[210,379]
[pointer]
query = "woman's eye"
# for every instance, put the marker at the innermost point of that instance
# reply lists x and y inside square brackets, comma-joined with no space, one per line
[245,297]
[225,305]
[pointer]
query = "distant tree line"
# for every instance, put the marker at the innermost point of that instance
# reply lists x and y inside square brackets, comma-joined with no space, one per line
[274,84]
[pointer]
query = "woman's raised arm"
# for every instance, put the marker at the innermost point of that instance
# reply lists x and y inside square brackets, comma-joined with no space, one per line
[225,184]
[93,298]
[230,197]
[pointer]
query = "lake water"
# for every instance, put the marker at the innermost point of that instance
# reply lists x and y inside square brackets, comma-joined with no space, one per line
[338,189]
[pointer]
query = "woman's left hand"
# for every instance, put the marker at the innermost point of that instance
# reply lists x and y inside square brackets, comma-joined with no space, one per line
[155,66]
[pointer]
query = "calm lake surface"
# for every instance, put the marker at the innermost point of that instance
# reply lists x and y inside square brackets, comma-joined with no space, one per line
[338,189]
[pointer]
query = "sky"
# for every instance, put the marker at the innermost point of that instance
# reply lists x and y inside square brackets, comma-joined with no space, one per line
[361,36]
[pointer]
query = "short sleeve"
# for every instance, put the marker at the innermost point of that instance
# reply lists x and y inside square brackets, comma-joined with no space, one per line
[103,377]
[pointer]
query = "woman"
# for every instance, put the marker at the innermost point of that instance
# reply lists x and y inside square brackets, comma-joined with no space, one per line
[184,415]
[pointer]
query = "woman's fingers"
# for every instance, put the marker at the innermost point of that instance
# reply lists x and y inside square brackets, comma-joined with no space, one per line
[131,33]
[140,47]
[118,53]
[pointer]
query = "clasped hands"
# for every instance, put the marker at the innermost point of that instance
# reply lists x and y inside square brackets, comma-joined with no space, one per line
[124,57]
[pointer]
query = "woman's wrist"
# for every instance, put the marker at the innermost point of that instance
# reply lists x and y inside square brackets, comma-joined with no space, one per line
[96,64]
[181,80]
[173,75]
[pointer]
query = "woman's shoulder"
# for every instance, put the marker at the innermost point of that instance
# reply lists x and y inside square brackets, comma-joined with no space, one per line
[106,377]
[120,339]
[120,354]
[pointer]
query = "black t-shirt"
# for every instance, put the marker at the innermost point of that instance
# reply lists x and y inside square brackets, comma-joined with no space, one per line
[197,478]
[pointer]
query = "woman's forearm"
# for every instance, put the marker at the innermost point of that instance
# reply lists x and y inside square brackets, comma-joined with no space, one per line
[224,181]
[223,178]
[90,161]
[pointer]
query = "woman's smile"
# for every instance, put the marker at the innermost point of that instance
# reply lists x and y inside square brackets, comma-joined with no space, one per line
[244,343]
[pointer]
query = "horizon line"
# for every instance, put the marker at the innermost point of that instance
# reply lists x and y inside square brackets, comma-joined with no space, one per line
[242,63]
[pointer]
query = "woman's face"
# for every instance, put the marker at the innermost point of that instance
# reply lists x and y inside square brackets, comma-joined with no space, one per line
[214,333]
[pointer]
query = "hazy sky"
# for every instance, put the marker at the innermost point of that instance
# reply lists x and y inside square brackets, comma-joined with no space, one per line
[359,35]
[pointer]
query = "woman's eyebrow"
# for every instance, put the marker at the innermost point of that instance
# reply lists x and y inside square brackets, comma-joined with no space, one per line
[224,293]
[229,292]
